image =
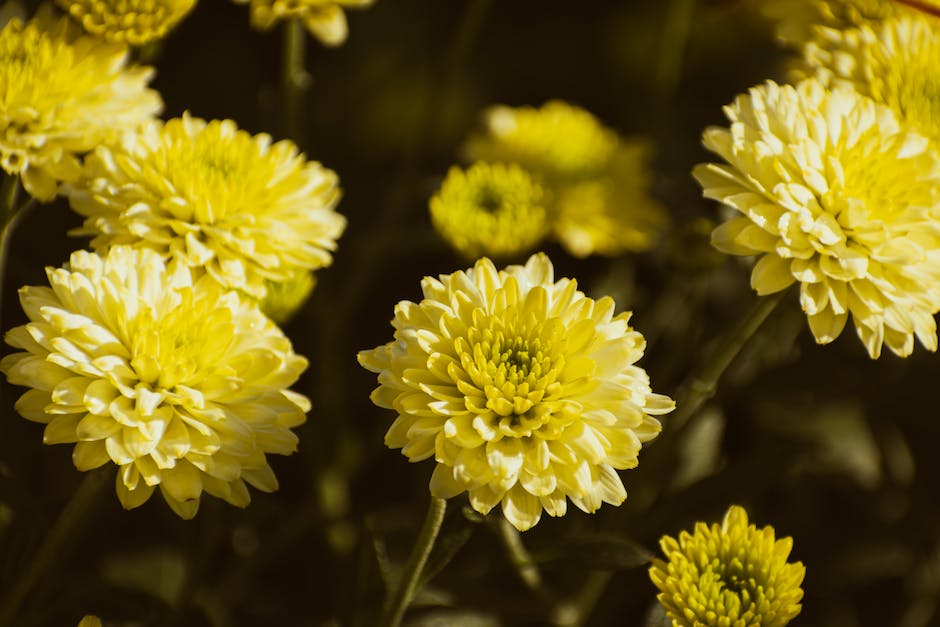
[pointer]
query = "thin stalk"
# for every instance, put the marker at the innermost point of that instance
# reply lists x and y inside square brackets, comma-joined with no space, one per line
[9,190]
[401,596]
[294,77]
[520,557]
[702,385]
[50,551]
[675,37]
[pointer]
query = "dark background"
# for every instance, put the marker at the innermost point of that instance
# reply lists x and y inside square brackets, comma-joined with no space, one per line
[827,446]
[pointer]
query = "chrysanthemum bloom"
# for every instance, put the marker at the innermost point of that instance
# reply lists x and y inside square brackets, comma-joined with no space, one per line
[63,93]
[797,21]
[895,62]
[178,382]
[832,193]
[214,197]
[90,621]
[324,19]
[599,182]
[728,574]
[284,298]
[524,390]
[135,22]
[490,209]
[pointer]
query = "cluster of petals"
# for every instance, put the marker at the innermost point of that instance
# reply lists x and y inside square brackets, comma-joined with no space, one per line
[729,574]
[179,383]
[62,94]
[135,22]
[214,197]
[797,22]
[893,61]
[523,390]
[830,191]
[598,182]
[324,19]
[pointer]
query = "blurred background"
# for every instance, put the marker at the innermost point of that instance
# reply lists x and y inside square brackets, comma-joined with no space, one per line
[824,444]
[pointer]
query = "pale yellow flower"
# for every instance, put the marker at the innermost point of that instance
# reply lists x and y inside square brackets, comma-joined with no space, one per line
[214,197]
[523,390]
[90,621]
[135,22]
[63,93]
[324,19]
[490,209]
[731,574]
[895,62]
[831,192]
[598,182]
[179,383]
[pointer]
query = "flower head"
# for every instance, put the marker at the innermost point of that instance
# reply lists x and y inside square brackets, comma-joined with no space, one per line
[213,197]
[179,383]
[324,19]
[894,62]
[490,209]
[832,193]
[598,182]
[63,93]
[135,22]
[728,574]
[524,390]
[797,21]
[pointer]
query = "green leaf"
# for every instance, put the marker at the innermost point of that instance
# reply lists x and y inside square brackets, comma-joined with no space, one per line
[598,551]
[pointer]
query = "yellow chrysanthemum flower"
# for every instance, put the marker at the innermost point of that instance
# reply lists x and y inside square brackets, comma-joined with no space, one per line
[63,94]
[178,382]
[135,22]
[797,21]
[524,390]
[728,574]
[213,197]
[598,182]
[90,621]
[324,19]
[490,209]
[894,62]
[832,193]
[284,298]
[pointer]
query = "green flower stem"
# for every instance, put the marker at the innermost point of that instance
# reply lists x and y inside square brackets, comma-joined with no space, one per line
[50,551]
[519,557]
[9,190]
[702,385]
[675,36]
[294,77]
[400,598]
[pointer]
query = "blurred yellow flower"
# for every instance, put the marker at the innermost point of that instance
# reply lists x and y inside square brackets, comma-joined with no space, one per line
[728,574]
[135,22]
[490,209]
[832,193]
[63,93]
[179,383]
[524,390]
[895,62]
[598,182]
[284,298]
[90,621]
[216,198]
[797,21]
[324,19]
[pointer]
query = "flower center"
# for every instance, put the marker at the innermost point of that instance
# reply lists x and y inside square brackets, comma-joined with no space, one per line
[181,346]
[514,364]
